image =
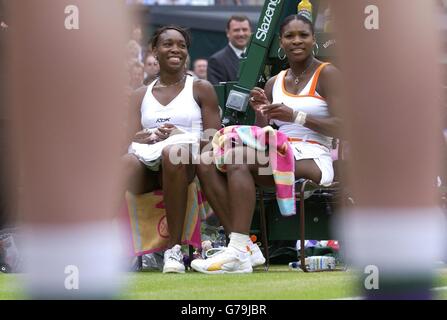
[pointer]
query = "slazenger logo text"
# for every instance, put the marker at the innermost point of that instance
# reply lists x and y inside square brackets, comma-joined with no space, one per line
[261,33]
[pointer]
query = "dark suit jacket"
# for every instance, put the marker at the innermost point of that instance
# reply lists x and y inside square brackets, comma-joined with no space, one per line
[223,66]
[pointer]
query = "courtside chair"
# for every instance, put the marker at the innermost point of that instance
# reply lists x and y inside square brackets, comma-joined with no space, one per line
[304,189]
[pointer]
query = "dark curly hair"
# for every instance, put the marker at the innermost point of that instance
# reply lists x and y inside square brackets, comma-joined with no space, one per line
[160,31]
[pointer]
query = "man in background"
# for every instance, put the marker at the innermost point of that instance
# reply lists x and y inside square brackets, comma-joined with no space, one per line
[223,66]
[200,68]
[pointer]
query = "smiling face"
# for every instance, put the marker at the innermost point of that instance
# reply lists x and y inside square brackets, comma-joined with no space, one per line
[238,33]
[297,40]
[171,50]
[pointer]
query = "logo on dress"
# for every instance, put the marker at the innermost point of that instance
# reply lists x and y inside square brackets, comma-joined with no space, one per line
[161,120]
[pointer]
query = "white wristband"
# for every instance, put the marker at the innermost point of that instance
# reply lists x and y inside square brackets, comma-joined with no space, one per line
[299,117]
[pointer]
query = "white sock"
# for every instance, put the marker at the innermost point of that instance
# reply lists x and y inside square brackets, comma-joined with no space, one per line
[78,261]
[240,241]
[399,240]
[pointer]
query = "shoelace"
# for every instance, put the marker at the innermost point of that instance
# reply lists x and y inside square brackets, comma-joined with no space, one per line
[175,255]
[213,251]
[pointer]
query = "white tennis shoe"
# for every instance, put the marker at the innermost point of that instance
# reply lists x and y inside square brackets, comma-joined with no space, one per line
[256,257]
[173,260]
[225,260]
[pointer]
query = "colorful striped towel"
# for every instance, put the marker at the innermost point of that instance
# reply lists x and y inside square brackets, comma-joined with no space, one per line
[280,153]
[148,224]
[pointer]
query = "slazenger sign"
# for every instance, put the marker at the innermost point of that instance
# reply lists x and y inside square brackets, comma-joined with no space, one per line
[261,33]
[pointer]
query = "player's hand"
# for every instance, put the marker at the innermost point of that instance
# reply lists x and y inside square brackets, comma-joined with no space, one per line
[166,130]
[145,136]
[258,98]
[277,111]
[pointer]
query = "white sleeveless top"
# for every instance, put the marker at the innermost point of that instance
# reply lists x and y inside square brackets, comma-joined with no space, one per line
[308,101]
[183,111]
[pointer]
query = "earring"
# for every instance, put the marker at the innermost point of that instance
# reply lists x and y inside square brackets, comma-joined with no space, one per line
[313,49]
[279,54]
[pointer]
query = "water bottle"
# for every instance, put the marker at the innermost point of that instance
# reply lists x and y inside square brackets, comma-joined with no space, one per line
[319,263]
[221,240]
[305,9]
[315,263]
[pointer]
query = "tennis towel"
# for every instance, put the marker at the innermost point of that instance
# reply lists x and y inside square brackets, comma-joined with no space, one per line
[148,224]
[280,156]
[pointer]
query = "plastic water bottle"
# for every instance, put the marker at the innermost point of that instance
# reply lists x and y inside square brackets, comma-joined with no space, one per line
[305,9]
[315,263]
[221,240]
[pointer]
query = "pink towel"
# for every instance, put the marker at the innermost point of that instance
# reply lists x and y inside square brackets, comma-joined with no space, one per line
[281,157]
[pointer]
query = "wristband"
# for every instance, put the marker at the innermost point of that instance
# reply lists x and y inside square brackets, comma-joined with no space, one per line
[299,117]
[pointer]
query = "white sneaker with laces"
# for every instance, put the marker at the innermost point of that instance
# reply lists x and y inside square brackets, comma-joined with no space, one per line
[256,257]
[226,260]
[173,260]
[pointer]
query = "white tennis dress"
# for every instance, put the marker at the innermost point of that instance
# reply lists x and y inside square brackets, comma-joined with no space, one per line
[306,143]
[183,112]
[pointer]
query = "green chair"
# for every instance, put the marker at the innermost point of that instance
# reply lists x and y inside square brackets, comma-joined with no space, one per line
[313,223]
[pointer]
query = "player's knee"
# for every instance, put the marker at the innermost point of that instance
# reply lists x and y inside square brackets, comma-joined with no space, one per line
[235,160]
[237,167]
[205,169]
[174,159]
[131,164]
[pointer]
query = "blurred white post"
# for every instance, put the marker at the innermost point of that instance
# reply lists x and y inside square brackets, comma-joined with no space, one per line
[66,73]
[389,55]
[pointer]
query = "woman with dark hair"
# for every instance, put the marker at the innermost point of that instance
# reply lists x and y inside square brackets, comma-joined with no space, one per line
[174,104]
[301,101]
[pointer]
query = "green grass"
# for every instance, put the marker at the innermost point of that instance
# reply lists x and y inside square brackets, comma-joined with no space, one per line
[277,284]
[9,287]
